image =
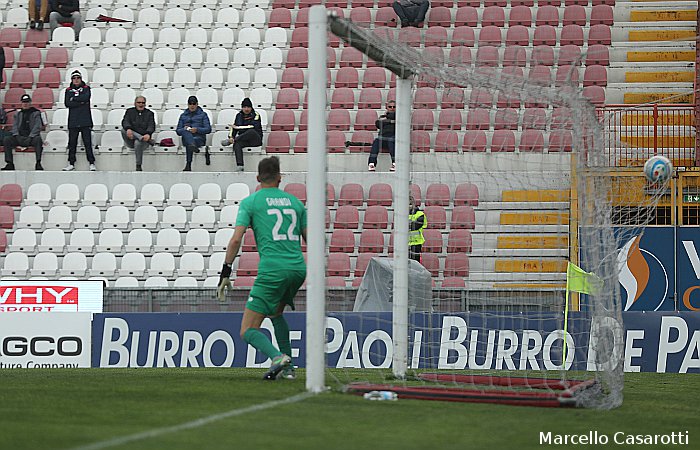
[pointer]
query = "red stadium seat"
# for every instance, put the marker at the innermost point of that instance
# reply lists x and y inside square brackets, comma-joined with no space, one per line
[540,75]
[562,118]
[385,33]
[433,241]
[338,265]
[283,120]
[528,3]
[571,34]
[597,54]
[478,119]
[541,3]
[339,119]
[370,98]
[462,218]
[450,119]
[420,141]
[416,193]
[574,15]
[568,55]
[436,37]
[280,17]
[514,55]
[385,17]
[278,141]
[518,35]
[503,141]
[436,216]
[3,240]
[493,15]
[365,119]
[347,217]
[301,142]
[300,37]
[431,262]
[371,241]
[297,57]
[452,98]
[474,141]
[595,94]
[56,57]
[487,56]
[361,263]
[380,194]
[335,141]
[330,194]
[547,15]
[298,190]
[463,36]
[531,141]
[501,3]
[544,35]
[566,75]
[437,194]
[351,57]
[425,97]
[599,34]
[440,16]
[542,55]
[361,137]
[11,194]
[374,77]
[7,217]
[466,16]
[360,15]
[595,76]
[248,264]
[343,98]
[480,98]
[22,77]
[29,57]
[576,2]
[459,241]
[376,216]
[43,98]
[287,98]
[506,119]
[490,35]
[519,15]
[302,17]
[36,38]
[288,4]
[534,118]
[602,15]
[422,119]
[351,194]
[456,265]
[10,37]
[453,283]
[292,77]
[446,141]
[249,244]
[560,141]
[410,36]
[347,77]
[12,98]
[466,194]
[603,2]
[342,241]
[244,282]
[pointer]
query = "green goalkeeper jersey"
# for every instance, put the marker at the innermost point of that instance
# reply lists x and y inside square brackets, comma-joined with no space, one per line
[277,219]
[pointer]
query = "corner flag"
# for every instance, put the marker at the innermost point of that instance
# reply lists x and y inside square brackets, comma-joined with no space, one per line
[578,280]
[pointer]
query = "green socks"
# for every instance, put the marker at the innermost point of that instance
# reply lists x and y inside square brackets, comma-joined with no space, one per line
[258,340]
[282,334]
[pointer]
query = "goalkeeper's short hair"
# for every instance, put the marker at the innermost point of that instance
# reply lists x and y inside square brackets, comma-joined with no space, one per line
[268,169]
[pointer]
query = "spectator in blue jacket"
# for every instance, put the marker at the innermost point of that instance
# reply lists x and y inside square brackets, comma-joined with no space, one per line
[246,131]
[77,100]
[193,126]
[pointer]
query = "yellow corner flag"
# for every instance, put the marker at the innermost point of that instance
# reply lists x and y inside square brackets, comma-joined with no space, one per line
[577,280]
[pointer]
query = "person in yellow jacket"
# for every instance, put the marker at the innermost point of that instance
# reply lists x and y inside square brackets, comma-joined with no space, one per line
[416,225]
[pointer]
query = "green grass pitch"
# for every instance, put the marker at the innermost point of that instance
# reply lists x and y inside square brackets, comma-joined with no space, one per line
[91,408]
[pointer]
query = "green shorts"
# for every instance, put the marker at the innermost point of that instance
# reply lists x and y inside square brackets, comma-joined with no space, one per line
[274,288]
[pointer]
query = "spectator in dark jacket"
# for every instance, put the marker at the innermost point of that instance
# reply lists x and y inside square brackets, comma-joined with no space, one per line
[77,100]
[411,12]
[26,132]
[138,126]
[2,61]
[193,126]
[246,131]
[66,11]
[386,124]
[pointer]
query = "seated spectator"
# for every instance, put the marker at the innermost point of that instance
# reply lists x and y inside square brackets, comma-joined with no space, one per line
[138,126]
[193,126]
[411,12]
[26,132]
[38,10]
[66,11]
[246,131]
[386,124]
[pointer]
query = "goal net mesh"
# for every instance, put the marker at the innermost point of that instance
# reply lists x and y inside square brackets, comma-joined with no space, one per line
[512,173]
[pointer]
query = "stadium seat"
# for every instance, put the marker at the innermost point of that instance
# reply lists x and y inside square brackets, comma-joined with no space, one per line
[562,118]
[459,241]
[146,216]
[493,15]
[346,217]
[571,34]
[139,240]
[287,98]
[88,216]
[278,141]
[59,216]
[560,141]
[385,17]
[361,263]
[422,119]
[595,75]
[370,98]
[110,240]
[203,216]
[7,217]
[23,240]
[566,75]
[456,265]
[29,57]
[490,35]
[601,15]
[180,194]
[436,216]
[342,240]
[337,119]
[474,141]
[437,194]
[514,55]
[506,119]
[540,75]
[351,194]
[431,262]
[38,194]
[376,216]
[343,98]
[16,264]
[44,264]
[462,217]
[67,194]
[168,240]
[446,141]
[174,216]
[478,119]
[453,283]
[12,98]
[371,241]
[296,189]
[466,16]
[531,141]
[534,118]
[380,194]
[433,241]
[338,265]
[248,265]
[544,35]
[503,141]
[52,240]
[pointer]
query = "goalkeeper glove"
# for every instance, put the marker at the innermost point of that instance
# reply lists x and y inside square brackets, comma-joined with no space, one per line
[224,282]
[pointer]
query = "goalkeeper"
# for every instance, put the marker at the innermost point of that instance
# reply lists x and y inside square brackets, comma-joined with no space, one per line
[278,220]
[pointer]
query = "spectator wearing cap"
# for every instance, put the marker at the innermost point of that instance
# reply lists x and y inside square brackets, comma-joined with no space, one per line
[246,131]
[138,126]
[66,11]
[193,127]
[26,132]
[77,100]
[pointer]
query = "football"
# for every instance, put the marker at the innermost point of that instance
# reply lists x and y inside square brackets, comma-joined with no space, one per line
[658,169]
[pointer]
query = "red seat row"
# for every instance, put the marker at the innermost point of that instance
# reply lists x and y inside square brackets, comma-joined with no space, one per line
[12,37]
[372,241]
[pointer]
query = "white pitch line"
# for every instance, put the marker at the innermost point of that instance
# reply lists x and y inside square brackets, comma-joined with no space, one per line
[193,424]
